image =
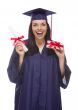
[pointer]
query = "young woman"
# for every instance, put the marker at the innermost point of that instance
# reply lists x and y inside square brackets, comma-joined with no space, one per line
[40,71]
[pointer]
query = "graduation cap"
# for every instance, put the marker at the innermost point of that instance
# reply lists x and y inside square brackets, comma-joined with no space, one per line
[40,13]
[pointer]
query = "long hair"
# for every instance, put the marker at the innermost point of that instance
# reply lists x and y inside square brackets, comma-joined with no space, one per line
[32,44]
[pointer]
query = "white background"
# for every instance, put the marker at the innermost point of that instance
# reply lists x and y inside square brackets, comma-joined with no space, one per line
[65,30]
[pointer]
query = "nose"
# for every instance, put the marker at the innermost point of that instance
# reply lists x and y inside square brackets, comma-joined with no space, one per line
[39,27]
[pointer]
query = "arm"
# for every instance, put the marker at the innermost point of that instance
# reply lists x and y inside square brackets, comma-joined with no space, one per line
[64,70]
[16,64]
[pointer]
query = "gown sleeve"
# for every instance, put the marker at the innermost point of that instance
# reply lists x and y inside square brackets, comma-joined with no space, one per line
[13,70]
[67,73]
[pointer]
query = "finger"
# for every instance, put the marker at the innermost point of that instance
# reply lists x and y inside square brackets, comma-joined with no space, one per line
[17,42]
[24,47]
[48,46]
[19,46]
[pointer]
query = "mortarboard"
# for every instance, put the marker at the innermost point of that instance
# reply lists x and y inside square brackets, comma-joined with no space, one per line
[38,13]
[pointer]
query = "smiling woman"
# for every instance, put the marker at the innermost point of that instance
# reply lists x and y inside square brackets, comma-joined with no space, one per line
[39,28]
[38,72]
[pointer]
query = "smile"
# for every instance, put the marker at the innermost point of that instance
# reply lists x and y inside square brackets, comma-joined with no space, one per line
[39,33]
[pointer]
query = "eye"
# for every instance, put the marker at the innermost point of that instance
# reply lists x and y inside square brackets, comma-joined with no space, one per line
[35,24]
[43,24]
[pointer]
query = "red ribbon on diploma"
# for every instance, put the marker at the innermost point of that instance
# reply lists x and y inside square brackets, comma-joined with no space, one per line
[18,39]
[54,44]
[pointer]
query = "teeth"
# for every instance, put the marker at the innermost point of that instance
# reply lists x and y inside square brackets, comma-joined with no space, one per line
[39,32]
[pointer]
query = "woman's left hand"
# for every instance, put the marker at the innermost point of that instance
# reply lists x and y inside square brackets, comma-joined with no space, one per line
[57,47]
[59,52]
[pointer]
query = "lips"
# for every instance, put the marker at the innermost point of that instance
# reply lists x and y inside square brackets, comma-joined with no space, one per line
[39,33]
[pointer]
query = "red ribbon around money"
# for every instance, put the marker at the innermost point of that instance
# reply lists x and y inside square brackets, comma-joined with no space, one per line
[18,39]
[54,44]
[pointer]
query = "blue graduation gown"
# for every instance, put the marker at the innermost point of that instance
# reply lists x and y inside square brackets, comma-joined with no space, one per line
[38,82]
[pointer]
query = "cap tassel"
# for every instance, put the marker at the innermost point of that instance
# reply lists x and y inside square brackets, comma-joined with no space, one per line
[51,29]
[54,44]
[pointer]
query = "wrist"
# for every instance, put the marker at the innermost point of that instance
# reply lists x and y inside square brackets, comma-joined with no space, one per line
[21,57]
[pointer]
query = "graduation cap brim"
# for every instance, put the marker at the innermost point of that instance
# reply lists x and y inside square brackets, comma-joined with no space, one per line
[39,13]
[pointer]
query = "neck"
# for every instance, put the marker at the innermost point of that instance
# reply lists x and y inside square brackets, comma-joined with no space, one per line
[40,42]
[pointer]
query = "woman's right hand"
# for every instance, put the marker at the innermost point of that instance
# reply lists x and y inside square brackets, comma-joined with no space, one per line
[20,48]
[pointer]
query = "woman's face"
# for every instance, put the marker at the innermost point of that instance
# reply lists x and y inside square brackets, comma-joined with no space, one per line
[39,28]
